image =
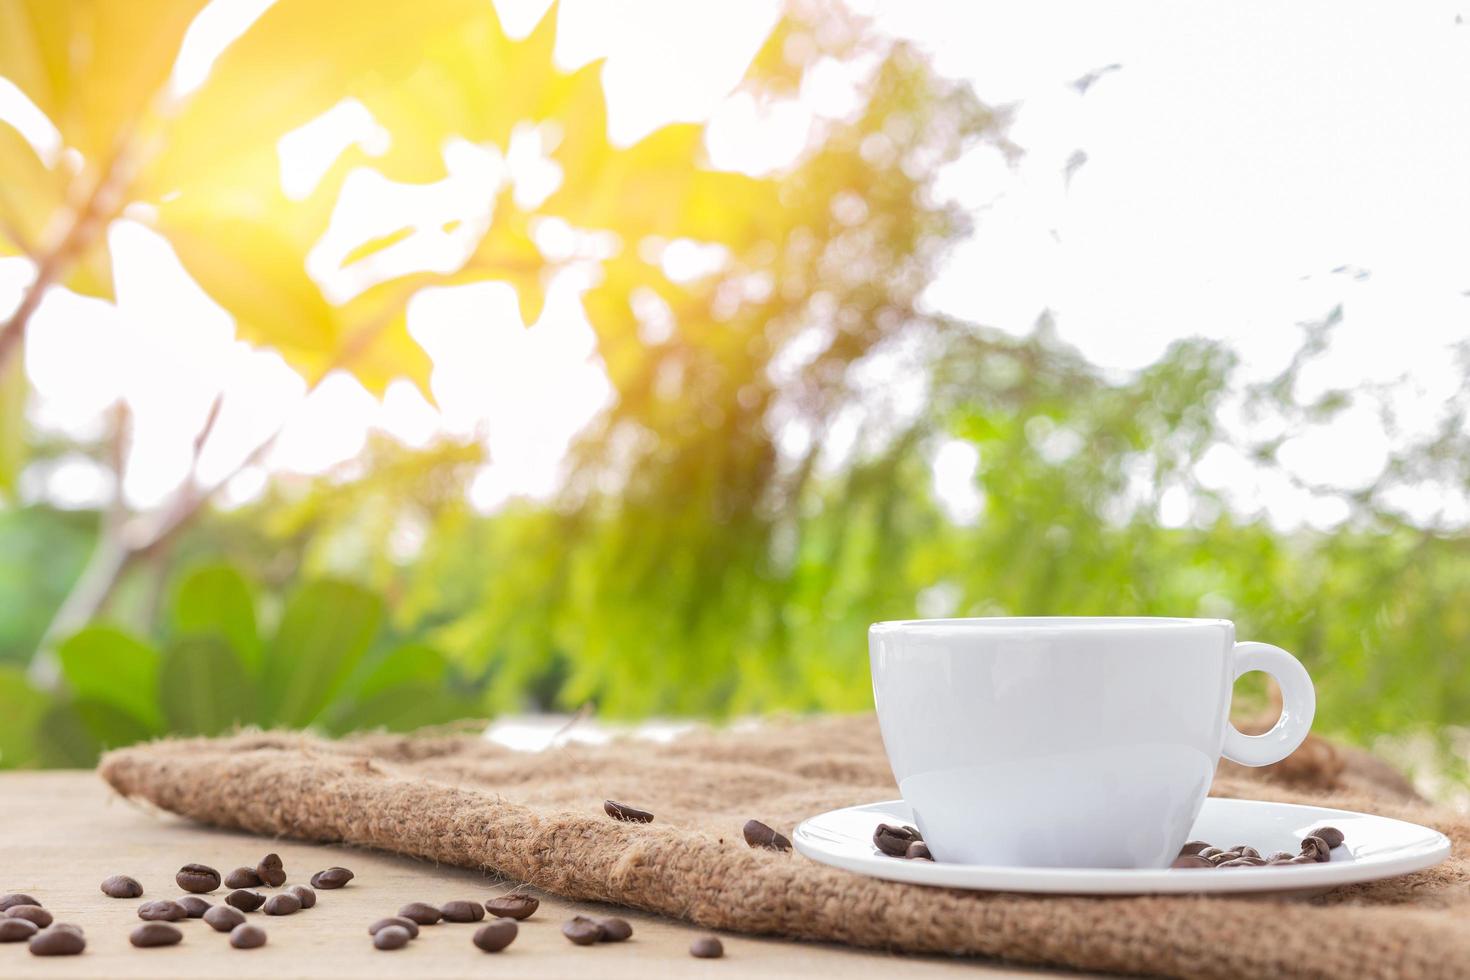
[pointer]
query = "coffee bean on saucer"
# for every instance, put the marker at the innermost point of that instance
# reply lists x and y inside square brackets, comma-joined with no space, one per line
[197,878]
[223,918]
[194,906]
[31,913]
[247,936]
[622,811]
[391,937]
[495,936]
[1279,857]
[271,871]
[582,931]
[614,930]
[305,895]
[14,930]
[243,878]
[1243,861]
[758,834]
[283,903]
[162,910]
[918,851]
[894,841]
[515,906]
[331,878]
[1245,850]
[411,926]
[707,948]
[1191,861]
[1218,859]
[121,886]
[461,911]
[57,941]
[16,898]
[1302,859]
[1206,852]
[1316,848]
[245,901]
[155,934]
[421,912]
[1194,846]
[1330,836]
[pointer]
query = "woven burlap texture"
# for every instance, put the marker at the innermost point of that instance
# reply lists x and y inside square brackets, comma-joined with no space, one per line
[538,818]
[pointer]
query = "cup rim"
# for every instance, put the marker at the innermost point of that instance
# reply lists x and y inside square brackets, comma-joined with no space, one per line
[1032,624]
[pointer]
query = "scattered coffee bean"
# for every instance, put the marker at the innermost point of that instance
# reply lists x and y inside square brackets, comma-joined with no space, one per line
[243,878]
[69,925]
[1245,850]
[1302,859]
[614,930]
[894,841]
[758,834]
[16,898]
[582,931]
[283,903]
[1218,859]
[918,851]
[305,895]
[1243,862]
[155,934]
[421,912]
[121,886]
[495,936]
[1194,847]
[707,948]
[1331,836]
[395,920]
[197,878]
[512,906]
[331,878]
[247,936]
[14,930]
[194,906]
[1279,857]
[271,871]
[1209,852]
[391,937]
[460,911]
[1191,861]
[223,918]
[57,941]
[31,913]
[162,910]
[1316,848]
[245,901]
[622,811]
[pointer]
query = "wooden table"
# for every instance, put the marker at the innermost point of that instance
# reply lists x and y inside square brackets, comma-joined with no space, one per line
[61,833]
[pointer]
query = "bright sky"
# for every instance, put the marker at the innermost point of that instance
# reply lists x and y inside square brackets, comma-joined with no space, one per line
[1246,167]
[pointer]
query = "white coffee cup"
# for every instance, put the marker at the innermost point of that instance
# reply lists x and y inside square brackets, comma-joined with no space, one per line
[1069,741]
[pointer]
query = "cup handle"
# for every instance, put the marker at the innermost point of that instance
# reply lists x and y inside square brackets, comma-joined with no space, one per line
[1298,705]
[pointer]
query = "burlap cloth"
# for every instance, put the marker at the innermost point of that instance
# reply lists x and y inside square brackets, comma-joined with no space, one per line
[538,818]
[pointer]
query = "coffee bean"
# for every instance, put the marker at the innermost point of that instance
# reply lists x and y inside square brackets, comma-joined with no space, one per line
[16,898]
[622,811]
[395,920]
[1191,861]
[57,942]
[1209,852]
[283,903]
[331,878]
[271,871]
[918,851]
[121,886]
[460,911]
[69,925]
[894,841]
[245,901]
[391,937]
[1330,836]
[1244,861]
[1302,859]
[243,878]
[194,906]
[14,930]
[707,948]
[1316,848]
[305,895]
[513,906]
[495,936]
[582,930]
[246,936]
[1218,859]
[1245,850]
[421,912]
[758,834]
[155,934]
[31,913]
[614,930]
[223,918]
[162,910]
[1278,857]
[1194,847]
[197,878]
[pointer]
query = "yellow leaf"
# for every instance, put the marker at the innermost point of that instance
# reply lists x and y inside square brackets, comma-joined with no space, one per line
[29,193]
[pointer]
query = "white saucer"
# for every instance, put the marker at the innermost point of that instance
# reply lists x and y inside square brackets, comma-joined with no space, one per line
[1375,847]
